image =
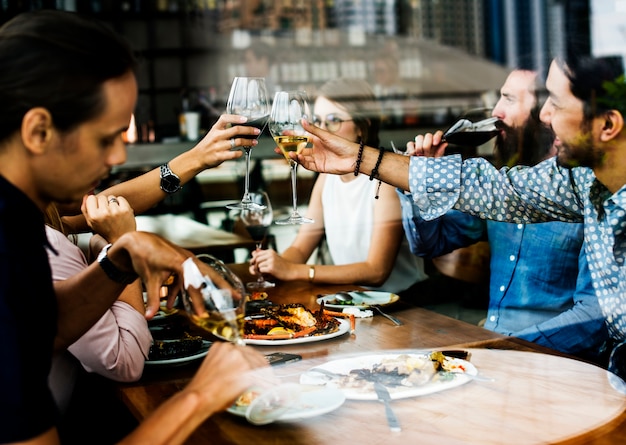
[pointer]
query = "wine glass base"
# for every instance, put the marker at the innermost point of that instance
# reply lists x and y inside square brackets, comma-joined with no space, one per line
[294,219]
[260,285]
[244,205]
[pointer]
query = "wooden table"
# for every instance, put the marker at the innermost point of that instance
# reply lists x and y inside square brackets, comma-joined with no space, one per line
[537,396]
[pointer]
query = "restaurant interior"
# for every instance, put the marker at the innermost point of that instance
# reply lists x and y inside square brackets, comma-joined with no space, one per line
[430,63]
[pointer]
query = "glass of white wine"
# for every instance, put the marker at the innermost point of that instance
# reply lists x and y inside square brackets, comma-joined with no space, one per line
[220,308]
[288,110]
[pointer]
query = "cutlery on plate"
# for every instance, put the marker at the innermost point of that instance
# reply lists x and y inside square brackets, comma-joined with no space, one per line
[385,397]
[326,372]
[393,319]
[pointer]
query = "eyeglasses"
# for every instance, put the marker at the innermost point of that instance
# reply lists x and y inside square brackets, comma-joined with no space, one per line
[332,122]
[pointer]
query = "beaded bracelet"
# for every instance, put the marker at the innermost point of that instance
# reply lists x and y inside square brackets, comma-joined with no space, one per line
[358,158]
[374,174]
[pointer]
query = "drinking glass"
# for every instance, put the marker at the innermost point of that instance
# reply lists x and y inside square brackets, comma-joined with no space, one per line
[220,309]
[248,97]
[257,222]
[288,109]
[474,128]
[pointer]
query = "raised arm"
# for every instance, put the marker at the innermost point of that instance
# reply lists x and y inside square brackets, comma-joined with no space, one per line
[334,154]
[143,192]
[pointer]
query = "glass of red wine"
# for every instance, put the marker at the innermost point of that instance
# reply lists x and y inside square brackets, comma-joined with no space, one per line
[472,134]
[248,97]
[257,221]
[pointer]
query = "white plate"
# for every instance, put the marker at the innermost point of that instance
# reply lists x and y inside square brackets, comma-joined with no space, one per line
[361,300]
[313,401]
[204,350]
[366,392]
[344,326]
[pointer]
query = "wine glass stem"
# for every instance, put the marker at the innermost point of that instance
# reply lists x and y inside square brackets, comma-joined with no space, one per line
[246,179]
[260,279]
[294,188]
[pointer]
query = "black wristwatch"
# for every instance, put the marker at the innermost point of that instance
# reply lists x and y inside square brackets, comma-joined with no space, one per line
[111,270]
[170,183]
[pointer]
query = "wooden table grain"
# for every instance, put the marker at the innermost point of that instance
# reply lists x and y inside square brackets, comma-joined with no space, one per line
[536,396]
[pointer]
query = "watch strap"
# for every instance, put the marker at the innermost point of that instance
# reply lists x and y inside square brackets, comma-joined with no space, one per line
[111,269]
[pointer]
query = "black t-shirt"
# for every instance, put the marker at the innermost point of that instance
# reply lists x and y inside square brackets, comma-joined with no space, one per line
[28,318]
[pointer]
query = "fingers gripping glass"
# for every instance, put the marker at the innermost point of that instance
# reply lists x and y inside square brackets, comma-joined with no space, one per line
[218,303]
[332,122]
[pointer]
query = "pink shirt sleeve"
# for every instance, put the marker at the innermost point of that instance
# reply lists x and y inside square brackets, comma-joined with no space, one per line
[118,344]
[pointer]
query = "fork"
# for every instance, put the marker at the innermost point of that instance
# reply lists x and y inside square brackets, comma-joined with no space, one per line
[395,320]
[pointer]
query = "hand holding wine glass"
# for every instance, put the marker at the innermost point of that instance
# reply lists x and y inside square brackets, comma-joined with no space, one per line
[288,109]
[257,222]
[248,97]
[218,303]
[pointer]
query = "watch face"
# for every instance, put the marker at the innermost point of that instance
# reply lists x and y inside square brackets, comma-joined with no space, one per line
[170,183]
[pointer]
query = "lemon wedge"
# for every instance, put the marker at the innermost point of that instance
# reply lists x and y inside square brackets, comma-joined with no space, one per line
[279,330]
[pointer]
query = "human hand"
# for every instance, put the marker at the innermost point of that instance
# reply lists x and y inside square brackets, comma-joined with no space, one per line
[428,145]
[109,216]
[330,153]
[225,373]
[156,260]
[268,261]
[218,144]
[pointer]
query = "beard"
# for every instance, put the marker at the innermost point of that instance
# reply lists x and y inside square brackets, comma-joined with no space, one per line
[580,154]
[579,151]
[528,144]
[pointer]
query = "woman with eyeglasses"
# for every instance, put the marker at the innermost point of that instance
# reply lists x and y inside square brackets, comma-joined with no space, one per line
[359,218]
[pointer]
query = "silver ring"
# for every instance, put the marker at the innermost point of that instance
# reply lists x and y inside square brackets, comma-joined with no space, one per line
[232,143]
[113,200]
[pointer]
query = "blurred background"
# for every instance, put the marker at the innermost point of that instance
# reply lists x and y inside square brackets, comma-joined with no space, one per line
[428,60]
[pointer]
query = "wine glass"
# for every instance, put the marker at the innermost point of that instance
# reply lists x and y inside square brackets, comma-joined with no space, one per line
[220,307]
[248,97]
[474,128]
[257,222]
[288,109]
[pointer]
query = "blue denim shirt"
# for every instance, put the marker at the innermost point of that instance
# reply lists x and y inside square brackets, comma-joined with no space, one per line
[540,285]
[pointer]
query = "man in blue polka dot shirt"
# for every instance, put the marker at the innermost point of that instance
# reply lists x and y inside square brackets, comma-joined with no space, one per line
[585,182]
[540,284]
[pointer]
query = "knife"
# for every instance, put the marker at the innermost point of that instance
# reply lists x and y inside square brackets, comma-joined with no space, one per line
[385,397]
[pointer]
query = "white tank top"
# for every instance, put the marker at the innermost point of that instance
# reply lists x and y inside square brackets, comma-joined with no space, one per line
[348,222]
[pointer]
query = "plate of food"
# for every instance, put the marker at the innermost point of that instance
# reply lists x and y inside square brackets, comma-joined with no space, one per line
[174,344]
[287,324]
[404,374]
[359,299]
[286,403]
[179,357]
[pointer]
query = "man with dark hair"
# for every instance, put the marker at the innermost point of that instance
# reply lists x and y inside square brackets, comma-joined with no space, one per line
[540,285]
[585,109]
[67,92]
